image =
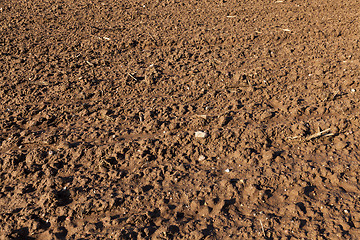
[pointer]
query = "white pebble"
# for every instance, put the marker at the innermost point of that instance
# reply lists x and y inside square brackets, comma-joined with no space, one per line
[200,134]
[202,158]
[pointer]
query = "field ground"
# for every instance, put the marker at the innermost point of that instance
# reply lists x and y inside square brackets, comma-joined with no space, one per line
[169,119]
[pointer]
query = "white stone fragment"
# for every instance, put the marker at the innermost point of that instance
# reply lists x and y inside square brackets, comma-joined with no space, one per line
[200,134]
[202,158]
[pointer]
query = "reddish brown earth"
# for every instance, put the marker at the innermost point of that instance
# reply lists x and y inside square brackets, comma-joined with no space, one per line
[100,102]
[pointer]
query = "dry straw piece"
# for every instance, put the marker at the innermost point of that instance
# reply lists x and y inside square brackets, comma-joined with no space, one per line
[324,133]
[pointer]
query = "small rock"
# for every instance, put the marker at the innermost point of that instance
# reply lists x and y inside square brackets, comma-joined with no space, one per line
[49,140]
[196,235]
[227,170]
[202,158]
[194,205]
[310,110]
[268,155]
[223,120]
[339,145]
[319,71]
[152,75]
[174,125]
[345,225]
[63,145]
[200,134]
[183,109]
[104,112]
[266,115]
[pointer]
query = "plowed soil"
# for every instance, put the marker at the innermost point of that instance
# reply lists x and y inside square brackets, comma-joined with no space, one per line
[179,119]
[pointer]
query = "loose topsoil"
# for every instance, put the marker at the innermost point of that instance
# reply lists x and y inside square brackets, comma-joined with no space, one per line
[179,119]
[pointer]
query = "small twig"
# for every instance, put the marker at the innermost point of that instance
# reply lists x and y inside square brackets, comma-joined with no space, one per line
[319,134]
[262,227]
[295,137]
[324,133]
[89,63]
[133,77]
[328,135]
[202,116]
[152,37]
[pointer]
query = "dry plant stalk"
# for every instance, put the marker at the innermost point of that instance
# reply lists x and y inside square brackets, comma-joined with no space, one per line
[132,77]
[325,132]
[262,227]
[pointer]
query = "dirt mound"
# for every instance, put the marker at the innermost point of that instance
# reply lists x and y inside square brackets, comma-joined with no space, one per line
[174,119]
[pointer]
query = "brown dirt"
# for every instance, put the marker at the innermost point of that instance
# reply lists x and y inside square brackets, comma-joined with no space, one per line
[100,102]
